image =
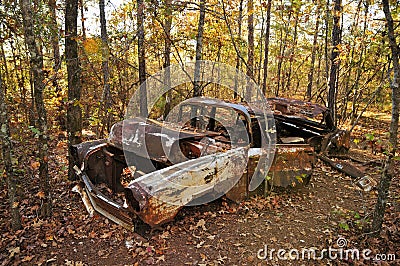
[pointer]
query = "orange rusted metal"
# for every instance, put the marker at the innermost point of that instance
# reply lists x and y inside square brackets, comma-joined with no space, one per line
[292,165]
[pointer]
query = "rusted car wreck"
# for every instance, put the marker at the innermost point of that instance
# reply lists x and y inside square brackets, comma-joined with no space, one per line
[125,191]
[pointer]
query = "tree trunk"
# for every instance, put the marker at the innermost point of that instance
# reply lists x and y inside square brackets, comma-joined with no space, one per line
[332,93]
[36,64]
[82,19]
[106,72]
[74,112]
[57,59]
[142,59]
[260,59]
[20,80]
[292,49]
[349,62]
[12,179]
[250,50]
[167,55]
[199,50]
[238,60]
[3,57]
[326,50]
[313,55]
[282,50]
[319,71]
[55,37]
[266,49]
[387,175]
[357,93]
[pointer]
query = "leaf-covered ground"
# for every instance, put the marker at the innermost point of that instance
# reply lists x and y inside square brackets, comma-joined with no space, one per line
[219,233]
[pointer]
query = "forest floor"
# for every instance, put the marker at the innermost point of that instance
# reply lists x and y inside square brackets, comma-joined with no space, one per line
[329,208]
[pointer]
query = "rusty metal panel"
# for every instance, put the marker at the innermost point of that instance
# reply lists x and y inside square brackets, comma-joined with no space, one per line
[79,151]
[292,165]
[151,210]
[157,197]
[105,206]
[296,107]
[148,137]
[239,191]
[344,167]
[337,142]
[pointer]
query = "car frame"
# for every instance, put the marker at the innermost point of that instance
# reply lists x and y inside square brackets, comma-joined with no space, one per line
[124,193]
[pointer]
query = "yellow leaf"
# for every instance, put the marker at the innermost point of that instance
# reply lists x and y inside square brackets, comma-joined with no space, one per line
[13,251]
[27,258]
[91,46]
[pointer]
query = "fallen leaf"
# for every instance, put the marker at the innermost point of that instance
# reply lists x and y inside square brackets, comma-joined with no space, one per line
[35,165]
[92,234]
[201,223]
[200,244]
[106,235]
[256,235]
[250,258]
[27,258]
[13,251]
[52,260]
[40,195]
[164,235]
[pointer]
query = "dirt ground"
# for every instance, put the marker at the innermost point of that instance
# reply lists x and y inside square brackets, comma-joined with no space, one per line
[330,212]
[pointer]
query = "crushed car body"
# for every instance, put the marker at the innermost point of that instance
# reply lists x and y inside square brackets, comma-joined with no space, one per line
[161,154]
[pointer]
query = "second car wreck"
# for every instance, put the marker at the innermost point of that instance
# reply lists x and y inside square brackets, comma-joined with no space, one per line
[123,189]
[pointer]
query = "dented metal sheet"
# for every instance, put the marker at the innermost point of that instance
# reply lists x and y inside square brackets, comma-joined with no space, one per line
[158,196]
